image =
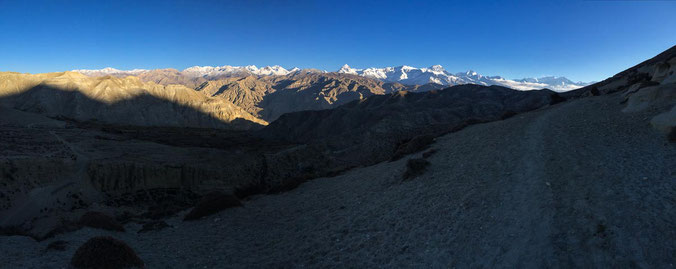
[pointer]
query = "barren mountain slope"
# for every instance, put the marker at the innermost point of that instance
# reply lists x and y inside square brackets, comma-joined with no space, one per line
[170,76]
[125,101]
[268,97]
[578,184]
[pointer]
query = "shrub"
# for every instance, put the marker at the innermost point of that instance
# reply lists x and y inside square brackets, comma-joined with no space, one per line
[100,220]
[105,252]
[212,203]
[415,167]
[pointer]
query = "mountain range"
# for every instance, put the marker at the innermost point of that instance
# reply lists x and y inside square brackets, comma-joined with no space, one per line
[404,74]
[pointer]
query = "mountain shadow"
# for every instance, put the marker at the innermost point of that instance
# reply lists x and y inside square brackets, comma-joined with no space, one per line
[143,109]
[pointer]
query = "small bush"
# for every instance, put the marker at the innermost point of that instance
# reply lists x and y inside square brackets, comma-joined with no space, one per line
[672,135]
[105,252]
[415,167]
[212,203]
[100,220]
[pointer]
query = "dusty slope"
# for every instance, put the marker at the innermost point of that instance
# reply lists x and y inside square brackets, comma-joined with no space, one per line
[578,184]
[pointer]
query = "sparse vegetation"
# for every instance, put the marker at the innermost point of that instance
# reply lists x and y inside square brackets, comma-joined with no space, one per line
[105,252]
[672,135]
[415,167]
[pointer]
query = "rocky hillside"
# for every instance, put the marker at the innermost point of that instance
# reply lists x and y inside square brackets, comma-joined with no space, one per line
[369,130]
[123,101]
[650,85]
[271,96]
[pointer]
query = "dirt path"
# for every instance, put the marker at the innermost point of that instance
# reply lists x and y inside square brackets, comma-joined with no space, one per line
[579,184]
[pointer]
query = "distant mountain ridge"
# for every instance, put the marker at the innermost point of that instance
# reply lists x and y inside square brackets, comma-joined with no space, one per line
[402,74]
[437,74]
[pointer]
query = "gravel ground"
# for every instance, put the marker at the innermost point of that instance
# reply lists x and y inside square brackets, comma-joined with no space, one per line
[579,184]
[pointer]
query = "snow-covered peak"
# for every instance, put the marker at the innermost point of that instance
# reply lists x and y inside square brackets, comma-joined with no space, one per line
[109,71]
[211,71]
[346,69]
[437,74]
[437,68]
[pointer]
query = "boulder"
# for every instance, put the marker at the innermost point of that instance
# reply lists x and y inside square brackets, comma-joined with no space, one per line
[661,71]
[665,122]
[651,97]
[105,252]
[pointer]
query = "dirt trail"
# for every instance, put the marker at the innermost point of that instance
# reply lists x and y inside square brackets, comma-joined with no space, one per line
[579,184]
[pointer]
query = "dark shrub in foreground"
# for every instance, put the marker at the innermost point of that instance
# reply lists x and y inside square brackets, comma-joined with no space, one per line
[211,203]
[415,167]
[105,252]
[100,221]
[672,134]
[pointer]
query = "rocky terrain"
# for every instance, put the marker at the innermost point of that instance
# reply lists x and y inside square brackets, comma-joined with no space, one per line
[121,101]
[467,176]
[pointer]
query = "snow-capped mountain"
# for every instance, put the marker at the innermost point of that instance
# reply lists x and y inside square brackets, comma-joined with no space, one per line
[402,74]
[110,71]
[198,71]
[436,74]
[204,71]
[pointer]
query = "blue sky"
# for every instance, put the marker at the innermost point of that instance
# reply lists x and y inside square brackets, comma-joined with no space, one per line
[582,40]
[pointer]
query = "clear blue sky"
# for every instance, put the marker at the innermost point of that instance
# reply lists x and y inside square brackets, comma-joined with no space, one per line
[582,40]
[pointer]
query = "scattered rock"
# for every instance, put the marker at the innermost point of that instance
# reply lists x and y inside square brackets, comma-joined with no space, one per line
[211,203]
[414,145]
[100,220]
[415,167]
[58,245]
[105,252]
[154,225]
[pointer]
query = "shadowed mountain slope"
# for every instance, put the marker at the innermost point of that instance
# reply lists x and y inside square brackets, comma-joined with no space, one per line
[407,111]
[125,101]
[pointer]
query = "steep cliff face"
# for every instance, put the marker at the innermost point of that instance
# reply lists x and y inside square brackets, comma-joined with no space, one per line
[124,101]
